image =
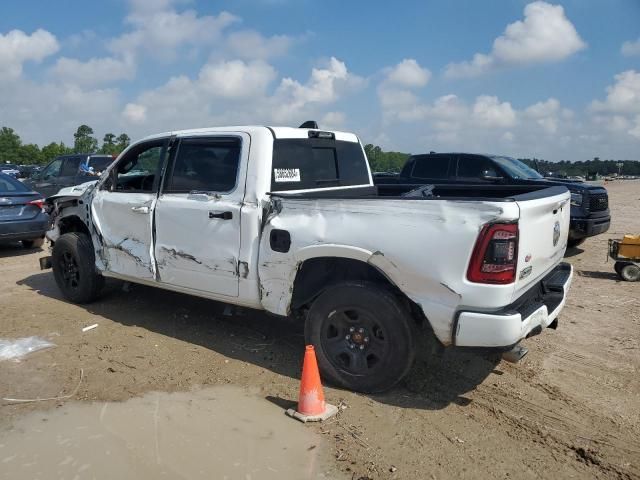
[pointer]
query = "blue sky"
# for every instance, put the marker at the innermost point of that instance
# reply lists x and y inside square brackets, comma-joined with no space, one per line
[555,80]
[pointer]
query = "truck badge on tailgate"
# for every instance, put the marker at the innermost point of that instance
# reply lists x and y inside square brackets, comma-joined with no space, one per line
[556,233]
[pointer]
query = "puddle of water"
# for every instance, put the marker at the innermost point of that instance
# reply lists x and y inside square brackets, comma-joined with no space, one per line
[220,432]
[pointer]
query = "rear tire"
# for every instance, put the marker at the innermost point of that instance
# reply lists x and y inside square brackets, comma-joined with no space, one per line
[73,262]
[575,242]
[630,272]
[363,335]
[35,243]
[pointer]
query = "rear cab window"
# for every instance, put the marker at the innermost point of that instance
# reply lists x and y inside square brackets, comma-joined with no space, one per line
[312,163]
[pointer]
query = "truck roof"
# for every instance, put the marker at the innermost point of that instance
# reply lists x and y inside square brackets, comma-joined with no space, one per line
[276,132]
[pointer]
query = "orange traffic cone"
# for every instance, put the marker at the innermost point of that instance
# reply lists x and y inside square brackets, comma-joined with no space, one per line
[311,404]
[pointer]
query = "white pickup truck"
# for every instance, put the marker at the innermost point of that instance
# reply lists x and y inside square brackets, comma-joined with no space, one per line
[287,220]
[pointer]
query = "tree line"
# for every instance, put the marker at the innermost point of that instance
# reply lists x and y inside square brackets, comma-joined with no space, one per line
[13,150]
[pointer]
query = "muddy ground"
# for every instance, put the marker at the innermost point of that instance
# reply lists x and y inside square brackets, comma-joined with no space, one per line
[570,409]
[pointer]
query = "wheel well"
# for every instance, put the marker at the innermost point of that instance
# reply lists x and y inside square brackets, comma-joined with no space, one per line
[316,274]
[72,224]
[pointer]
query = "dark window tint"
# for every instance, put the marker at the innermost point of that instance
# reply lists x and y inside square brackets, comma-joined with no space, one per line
[53,169]
[473,167]
[205,164]
[8,184]
[100,164]
[431,167]
[70,167]
[314,163]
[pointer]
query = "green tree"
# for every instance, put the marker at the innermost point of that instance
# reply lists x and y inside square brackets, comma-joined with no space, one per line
[10,145]
[123,141]
[381,161]
[109,145]
[29,154]
[53,150]
[83,141]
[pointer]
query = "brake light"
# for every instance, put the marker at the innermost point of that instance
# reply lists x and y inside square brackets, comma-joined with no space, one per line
[495,255]
[38,203]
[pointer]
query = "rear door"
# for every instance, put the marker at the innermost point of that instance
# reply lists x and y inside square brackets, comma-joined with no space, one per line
[432,168]
[122,210]
[543,230]
[68,176]
[197,217]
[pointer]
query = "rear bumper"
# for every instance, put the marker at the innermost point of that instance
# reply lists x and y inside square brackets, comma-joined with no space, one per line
[25,229]
[588,227]
[527,316]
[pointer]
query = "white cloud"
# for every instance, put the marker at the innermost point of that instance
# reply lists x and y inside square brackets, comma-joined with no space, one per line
[408,73]
[236,79]
[17,47]
[96,71]
[252,44]
[161,31]
[135,113]
[623,96]
[489,112]
[333,120]
[545,35]
[631,48]
[232,92]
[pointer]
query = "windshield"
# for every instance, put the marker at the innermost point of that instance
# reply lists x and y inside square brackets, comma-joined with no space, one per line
[516,168]
[8,166]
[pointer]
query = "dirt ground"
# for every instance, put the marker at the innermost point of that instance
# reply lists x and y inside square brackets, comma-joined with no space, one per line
[570,409]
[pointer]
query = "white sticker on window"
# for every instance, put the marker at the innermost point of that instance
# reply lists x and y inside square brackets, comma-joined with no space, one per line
[286,175]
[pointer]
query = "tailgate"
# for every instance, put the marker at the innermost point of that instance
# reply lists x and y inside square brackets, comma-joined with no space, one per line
[543,227]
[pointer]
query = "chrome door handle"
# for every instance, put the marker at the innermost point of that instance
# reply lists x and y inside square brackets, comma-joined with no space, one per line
[143,209]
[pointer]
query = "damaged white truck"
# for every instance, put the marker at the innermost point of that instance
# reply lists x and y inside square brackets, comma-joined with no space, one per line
[287,220]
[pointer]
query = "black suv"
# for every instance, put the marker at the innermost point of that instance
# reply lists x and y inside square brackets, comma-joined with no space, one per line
[67,171]
[589,203]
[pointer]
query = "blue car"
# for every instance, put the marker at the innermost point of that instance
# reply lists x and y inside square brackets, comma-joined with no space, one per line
[22,217]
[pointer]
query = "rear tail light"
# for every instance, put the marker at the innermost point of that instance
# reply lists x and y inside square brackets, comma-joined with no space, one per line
[38,203]
[495,255]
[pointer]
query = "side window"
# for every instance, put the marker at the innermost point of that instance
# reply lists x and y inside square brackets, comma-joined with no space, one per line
[138,170]
[434,167]
[205,164]
[474,168]
[53,169]
[70,167]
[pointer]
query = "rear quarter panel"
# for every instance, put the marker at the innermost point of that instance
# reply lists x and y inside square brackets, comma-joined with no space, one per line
[422,246]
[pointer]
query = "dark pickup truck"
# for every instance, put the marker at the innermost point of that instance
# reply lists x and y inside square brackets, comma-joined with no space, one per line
[589,203]
[68,171]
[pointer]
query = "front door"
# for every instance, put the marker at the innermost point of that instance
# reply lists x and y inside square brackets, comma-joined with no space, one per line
[46,182]
[197,216]
[122,211]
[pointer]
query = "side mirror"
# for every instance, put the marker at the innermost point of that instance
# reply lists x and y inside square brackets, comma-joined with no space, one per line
[490,176]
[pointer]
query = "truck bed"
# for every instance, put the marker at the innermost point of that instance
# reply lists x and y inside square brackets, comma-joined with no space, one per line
[471,192]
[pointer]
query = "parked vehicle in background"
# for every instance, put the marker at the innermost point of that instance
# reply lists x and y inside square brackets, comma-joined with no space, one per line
[589,203]
[67,171]
[10,169]
[27,171]
[22,217]
[281,219]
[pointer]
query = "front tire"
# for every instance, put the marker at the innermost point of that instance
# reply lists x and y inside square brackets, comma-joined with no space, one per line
[363,335]
[73,262]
